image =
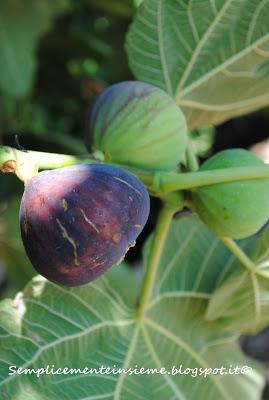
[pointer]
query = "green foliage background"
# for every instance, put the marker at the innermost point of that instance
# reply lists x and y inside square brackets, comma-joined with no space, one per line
[56,56]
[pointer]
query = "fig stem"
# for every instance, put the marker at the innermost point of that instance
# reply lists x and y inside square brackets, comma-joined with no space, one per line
[159,182]
[172,181]
[9,156]
[192,162]
[239,254]
[157,245]
[42,160]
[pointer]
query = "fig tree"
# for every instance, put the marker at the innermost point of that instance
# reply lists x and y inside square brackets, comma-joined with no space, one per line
[137,124]
[234,209]
[78,221]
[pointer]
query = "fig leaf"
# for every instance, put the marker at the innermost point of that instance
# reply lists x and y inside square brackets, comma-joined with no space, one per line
[94,325]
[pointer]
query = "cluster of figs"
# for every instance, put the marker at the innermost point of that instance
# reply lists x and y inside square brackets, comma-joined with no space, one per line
[78,221]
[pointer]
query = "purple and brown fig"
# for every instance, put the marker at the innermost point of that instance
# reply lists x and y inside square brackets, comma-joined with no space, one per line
[78,221]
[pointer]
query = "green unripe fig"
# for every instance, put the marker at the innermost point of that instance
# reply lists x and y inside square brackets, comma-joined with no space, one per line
[234,209]
[137,124]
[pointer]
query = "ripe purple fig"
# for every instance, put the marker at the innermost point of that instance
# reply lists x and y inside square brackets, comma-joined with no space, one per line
[78,221]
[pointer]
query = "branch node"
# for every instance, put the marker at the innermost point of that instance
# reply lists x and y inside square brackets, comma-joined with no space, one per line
[9,167]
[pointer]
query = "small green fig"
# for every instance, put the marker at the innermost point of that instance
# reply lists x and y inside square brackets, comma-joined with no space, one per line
[137,124]
[234,209]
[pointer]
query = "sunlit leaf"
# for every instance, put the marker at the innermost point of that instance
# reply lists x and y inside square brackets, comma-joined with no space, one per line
[242,301]
[96,325]
[211,56]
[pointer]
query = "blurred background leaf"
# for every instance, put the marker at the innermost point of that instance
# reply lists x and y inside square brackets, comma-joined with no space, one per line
[118,7]
[18,269]
[21,25]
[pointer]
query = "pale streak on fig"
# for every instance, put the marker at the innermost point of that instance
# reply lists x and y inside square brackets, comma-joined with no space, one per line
[117,237]
[89,221]
[97,265]
[128,184]
[25,226]
[137,226]
[65,270]
[122,258]
[65,204]
[126,251]
[70,240]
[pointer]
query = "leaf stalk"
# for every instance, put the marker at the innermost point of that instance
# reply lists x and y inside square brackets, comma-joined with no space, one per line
[170,206]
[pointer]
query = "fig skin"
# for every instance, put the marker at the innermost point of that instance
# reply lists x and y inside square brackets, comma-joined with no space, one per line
[78,221]
[234,209]
[137,124]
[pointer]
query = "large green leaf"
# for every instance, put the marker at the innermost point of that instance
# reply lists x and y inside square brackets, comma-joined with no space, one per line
[22,22]
[242,300]
[211,55]
[95,325]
